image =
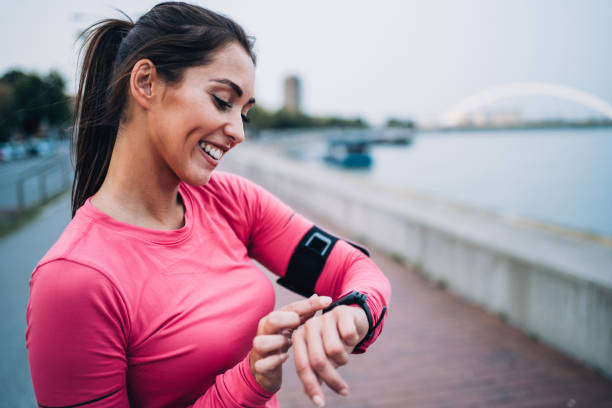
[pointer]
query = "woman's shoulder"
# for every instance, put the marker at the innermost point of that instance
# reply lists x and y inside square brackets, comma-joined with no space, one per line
[86,245]
[69,239]
[226,189]
[79,265]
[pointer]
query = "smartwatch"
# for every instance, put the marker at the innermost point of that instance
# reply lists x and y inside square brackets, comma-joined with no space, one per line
[357,298]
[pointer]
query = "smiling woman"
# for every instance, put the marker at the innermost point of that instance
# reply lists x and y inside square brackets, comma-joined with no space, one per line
[150,298]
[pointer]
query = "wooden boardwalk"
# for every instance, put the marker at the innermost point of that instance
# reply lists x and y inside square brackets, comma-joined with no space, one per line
[437,350]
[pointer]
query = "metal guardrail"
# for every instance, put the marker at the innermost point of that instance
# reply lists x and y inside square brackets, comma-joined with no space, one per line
[42,171]
[21,188]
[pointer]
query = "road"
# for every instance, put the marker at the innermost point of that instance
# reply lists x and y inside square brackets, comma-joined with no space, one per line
[19,253]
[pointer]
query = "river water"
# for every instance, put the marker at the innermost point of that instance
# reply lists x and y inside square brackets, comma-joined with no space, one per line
[558,176]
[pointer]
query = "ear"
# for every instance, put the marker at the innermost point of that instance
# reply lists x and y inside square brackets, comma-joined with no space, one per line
[143,83]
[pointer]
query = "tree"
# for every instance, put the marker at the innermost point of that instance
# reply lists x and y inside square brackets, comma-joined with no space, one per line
[6,101]
[58,109]
[261,118]
[29,102]
[26,100]
[401,123]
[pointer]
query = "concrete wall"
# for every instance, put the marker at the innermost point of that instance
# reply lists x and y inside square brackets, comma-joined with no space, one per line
[554,286]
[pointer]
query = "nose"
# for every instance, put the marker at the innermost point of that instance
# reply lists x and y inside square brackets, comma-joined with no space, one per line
[234,129]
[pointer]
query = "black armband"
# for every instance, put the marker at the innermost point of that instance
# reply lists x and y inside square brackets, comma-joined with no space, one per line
[357,298]
[308,261]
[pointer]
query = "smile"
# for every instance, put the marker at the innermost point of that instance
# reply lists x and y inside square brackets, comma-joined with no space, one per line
[211,150]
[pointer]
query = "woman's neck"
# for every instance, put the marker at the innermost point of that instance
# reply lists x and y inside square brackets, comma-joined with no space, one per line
[139,188]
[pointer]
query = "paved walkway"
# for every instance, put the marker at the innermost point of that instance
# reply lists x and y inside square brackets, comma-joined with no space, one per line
[438,351]
[19,253]
[435,351]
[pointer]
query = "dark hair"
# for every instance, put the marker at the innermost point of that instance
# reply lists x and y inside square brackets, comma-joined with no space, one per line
[174,36]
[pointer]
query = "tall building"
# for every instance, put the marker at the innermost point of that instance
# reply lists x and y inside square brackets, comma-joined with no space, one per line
[292,94]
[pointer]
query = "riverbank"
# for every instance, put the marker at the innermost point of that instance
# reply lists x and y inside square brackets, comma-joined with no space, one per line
[555,287]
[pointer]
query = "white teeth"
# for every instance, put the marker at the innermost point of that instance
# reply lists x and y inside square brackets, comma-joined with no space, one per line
[212,151]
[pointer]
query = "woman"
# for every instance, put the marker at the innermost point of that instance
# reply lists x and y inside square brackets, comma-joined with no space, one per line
[149,298]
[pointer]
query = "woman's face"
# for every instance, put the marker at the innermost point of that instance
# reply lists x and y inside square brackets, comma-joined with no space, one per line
[195,122]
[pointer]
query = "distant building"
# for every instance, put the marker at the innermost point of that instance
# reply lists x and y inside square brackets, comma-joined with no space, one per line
[293,94]
[500,118]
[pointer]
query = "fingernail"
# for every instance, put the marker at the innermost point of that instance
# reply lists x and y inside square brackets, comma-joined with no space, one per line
[325,299]
[344,392]
[318,401]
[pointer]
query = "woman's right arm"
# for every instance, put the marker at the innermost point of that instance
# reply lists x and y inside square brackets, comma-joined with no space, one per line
[78,327]
[77,341]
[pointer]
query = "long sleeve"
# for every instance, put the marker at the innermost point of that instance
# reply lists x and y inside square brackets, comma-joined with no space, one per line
[77,334]
[348,269]
[235,388]
[275,231]
[78,344]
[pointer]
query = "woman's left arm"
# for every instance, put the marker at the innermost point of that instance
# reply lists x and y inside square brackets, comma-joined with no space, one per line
[325,341]
[310,260]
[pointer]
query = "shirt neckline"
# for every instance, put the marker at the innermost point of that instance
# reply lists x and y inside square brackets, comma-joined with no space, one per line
[164,237]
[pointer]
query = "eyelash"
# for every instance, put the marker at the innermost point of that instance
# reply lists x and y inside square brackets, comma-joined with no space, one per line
[224,105]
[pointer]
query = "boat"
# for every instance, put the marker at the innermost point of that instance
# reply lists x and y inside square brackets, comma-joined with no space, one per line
[349,153]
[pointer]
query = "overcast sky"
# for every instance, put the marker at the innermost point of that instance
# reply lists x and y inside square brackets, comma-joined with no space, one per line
[370,58]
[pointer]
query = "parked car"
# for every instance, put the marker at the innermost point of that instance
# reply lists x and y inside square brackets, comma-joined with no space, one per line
[41,147]
[6,152]
[19,151]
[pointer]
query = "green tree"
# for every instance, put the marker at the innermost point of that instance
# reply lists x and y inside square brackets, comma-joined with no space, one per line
[26,100]
[29,102]
[401,123]
[58,110]
[261,118]
[6,108]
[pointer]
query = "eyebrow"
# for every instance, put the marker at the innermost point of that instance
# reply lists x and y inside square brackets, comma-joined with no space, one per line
[233,85]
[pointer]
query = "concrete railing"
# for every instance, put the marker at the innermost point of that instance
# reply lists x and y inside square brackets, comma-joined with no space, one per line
[553,286]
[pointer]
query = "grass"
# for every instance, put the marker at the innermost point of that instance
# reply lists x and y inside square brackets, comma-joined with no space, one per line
[15,221]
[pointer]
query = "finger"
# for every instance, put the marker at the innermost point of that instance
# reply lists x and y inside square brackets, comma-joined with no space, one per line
[266,344]
[287,332]
[270,363]
[319,360]
[334,347]
[347,329]
[308,307]
[278,320]
[309,380]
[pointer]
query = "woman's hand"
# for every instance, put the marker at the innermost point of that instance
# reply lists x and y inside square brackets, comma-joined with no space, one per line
[273,339]
[324,343]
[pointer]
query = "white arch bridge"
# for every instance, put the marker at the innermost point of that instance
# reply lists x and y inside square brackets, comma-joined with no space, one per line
[457,113]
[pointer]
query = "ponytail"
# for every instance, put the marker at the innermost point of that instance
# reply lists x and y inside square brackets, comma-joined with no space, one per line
[174,36]
[95,121]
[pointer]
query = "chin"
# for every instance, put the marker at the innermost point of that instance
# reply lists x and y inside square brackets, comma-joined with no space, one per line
[197,180]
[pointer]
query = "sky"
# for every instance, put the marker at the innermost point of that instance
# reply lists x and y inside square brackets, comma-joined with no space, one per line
[374,59]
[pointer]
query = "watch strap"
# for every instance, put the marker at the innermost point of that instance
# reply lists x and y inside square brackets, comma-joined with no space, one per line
[360,299]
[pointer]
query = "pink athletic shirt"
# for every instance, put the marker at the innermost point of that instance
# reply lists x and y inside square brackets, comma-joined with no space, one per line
[124,316]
